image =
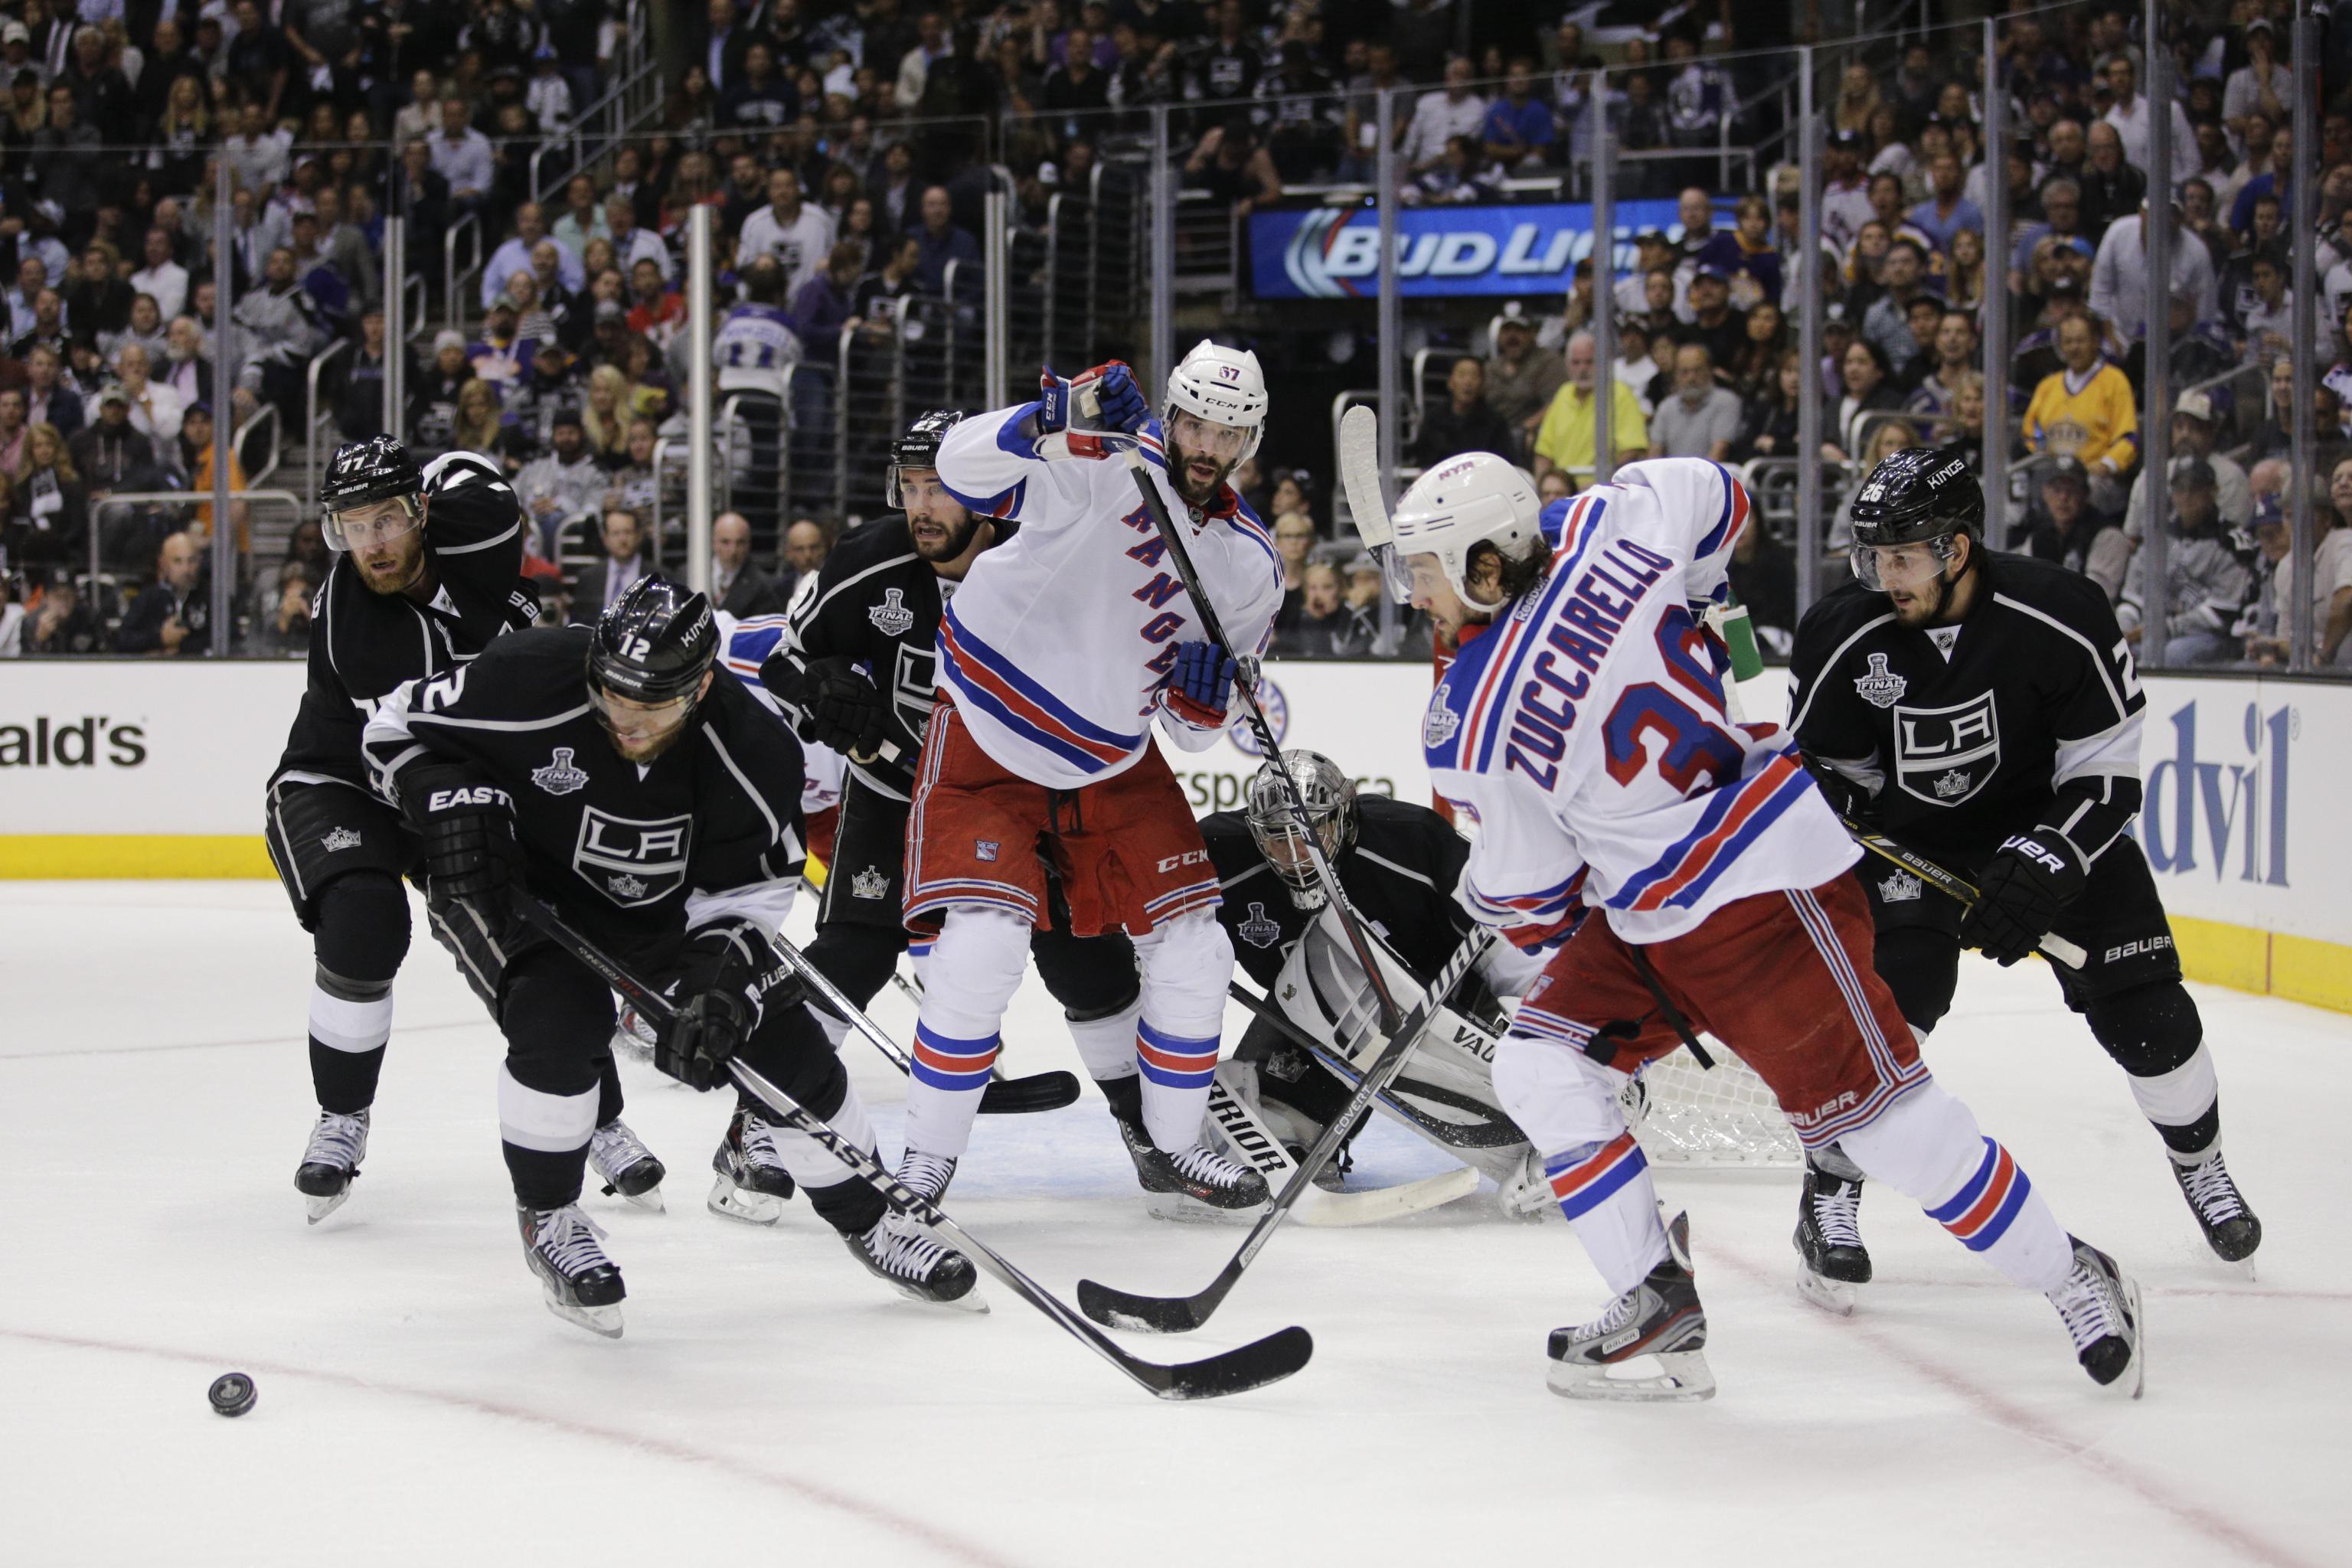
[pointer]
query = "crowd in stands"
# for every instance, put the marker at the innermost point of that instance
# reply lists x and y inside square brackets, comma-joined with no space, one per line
[841,146]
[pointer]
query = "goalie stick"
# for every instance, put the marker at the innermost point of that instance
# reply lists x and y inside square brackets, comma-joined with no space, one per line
[1952,885]
[1177,1314]
[1236,1371]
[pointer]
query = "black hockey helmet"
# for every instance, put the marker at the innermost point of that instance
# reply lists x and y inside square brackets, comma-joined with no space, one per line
[917,449]
[1920,492]
[652,644]
[361,473]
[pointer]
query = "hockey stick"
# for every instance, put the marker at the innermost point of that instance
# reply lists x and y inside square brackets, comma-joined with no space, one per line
[1003,1097]
[1236,1371]
[1446,1134]
[1177,1314]
[2055,948]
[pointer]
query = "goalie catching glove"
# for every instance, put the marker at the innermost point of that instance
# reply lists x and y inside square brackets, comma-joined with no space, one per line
[728,976]
[2028,883]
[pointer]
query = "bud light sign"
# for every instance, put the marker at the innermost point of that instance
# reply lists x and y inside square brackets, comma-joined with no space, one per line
[1334,253]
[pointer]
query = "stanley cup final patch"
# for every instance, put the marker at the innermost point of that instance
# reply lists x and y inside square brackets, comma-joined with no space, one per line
[1261,930]
[1880,687]
[891,617]
[560,776]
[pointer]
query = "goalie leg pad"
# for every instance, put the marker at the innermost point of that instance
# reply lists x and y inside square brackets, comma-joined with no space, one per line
[1186,965]
[1927,1147]
[975,966]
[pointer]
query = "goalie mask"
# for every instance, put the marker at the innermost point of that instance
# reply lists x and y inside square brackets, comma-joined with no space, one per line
[1329,797]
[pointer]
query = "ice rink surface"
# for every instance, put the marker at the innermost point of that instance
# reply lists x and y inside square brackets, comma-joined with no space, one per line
[771,1403]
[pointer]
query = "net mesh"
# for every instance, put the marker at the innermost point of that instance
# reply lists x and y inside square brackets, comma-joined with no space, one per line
[1685,1114]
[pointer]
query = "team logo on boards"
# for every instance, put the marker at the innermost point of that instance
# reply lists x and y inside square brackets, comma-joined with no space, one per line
[1276,709]
[1437,725]
[560,777]
[1901,888]
[1880,687]
[340,838]
[870,883]
[891,616]
[1261,930]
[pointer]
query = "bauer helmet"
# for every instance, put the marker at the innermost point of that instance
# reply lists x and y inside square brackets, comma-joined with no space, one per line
[1222,386]
[1329,797]
[1920,495]
[917,449]
[647,657]
[1463,502]
[361,473]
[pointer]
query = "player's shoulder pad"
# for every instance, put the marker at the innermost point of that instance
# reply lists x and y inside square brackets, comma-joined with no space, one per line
[871,542]
[1837,615]
[2053,590]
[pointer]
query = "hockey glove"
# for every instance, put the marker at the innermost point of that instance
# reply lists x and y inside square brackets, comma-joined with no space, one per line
[1201,684]
[2024,888]
[727,975]
[1849,797]
[845,710]
[1117,406]
[468,826]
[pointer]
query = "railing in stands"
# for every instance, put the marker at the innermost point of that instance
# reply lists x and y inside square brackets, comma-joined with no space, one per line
[453,298]
[266,415]
[313,414]
[637,92]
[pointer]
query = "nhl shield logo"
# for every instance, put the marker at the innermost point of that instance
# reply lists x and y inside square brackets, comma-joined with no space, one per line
[1900,888]
[339,839]
[891,616]
[1881,688]
[1261,930]
[560,777]
[1437,725]
[870,883]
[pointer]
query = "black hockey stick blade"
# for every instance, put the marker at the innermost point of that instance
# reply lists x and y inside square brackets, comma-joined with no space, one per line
[1150,1314]
[1040,1091]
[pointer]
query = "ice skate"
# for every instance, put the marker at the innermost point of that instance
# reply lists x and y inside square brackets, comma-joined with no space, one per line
[1830,1258]
[332,1162]
[903,1256]
[623,1164]
[582,1285]
[633,1037]
[2231,1228]
[1649,1345]
[2100,1304]
[1197,1182]
[927,1175]
[753,1183]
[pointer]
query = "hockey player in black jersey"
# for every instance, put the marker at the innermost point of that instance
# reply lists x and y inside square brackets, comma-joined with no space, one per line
[1983,708]
[604,772]
[854,669]
[428,570]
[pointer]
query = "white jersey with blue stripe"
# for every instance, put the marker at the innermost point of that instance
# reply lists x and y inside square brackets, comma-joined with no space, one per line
[755,337]
[743,645]
[1056,650]
[1586,735]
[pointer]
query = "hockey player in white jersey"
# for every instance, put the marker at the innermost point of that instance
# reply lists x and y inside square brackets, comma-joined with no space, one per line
[1066,644]
[1586,737]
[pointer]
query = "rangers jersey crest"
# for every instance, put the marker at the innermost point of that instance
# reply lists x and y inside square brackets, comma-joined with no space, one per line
[1880,687]
[560,776]
[340,838]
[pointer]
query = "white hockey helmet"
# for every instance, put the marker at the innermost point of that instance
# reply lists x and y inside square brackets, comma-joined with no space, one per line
[1222,385]
[1465,499]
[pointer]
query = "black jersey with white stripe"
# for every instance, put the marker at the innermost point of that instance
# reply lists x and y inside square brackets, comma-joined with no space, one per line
[635,855]
[1401,876]
[2025,713]
[363,643]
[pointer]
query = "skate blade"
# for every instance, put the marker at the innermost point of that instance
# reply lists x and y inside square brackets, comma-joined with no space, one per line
[2247,1265]
[604,1320]
[1182,1208]
[1670,1377]
[320,1208]
[1834,1297]
[730,1202]
[651,1198]
[970,1302]
[2136,1374]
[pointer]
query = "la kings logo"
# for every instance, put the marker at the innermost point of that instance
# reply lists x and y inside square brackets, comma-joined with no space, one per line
[870,883]
[560,777]
[1261,930]
[891,616]
[1945,756]
[632,861]
[1900,888]
[339,839]
[1880,687]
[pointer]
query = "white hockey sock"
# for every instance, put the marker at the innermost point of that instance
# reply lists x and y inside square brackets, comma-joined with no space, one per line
[1107,1045]
[1185,965]
[1926,1147]
[547,1123]
[348,1025]
[2178,1098]
[836,1031]
[974,967]
[1605,1191]
[1177,1070]
[806,1159]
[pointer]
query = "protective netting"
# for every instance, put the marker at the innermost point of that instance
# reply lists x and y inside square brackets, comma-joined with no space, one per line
[1685,1114]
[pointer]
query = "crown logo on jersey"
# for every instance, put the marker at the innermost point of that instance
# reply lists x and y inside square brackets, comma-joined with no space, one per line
[1880,687]
[870,883]
[1900,888]
[560,777]
[1952,785]
[1260,930]
[340,838]
[891,617]
[1437,726]
[626,886]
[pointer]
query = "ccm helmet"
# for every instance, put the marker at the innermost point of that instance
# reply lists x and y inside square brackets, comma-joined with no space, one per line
[1223,386]
[917,449]
[1329,796]
[1461,503]
[363,472]
[1918,496]
[652,647]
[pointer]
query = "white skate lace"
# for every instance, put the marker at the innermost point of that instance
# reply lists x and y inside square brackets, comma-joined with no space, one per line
[2087,1306]
[1621,1313]
[613,1149]
[907,1255]
[568,1239]
[1838,1215]
[1203,1164]
[927,1173]
[337,1139]
[2210,1190]
[759,1144]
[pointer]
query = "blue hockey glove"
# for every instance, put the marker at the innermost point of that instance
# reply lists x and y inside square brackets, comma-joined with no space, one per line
[1201,684]
[1119,403]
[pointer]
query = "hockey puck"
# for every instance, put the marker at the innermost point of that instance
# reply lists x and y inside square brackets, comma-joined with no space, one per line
[233,1394]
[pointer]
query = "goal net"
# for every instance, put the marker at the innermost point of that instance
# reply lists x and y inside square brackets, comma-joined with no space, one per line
[1685,1114]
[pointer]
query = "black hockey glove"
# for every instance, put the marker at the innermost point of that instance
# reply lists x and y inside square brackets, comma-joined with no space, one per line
[2023,890]
[1846,796]
[468,826]
[845,710]
[726,977]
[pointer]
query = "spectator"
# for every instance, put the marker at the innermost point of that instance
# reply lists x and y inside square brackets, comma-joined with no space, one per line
[2206,587]
[630,243]
[48,400]
[797,235]
[1565,437]
[762,99]
[1438,117]
[1887,323]
[2112,187]
[941,242]
[286,619]
[1293,542]
[1232,168]
[636,485]
[1948,212]
[806,544]
[2268,319]
[2195,432]
[2119,273]
[163,277]
[737,586]
[108,454]
[1955,360]
[1701,419]
[461,156]
[1461,177]
[1869,389]
[1763,573]
[1714,324]
[1520,382]
[825,306]
[2086,411]
[2269,634]
[282,330]
[1964,271]
[2133,119]
[1753,370]
[260,155]
[1518,133]
[564,485]
[48,521]
[197,450]
[1326,626]
[2062,212]
[155,409]
[1770,427]
[1463,423]
[2262,86]
[1744,253]
[2065,530]
[61,623]
[603,582]
[657,310]
[516,255]
[583,217]
[170,618]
